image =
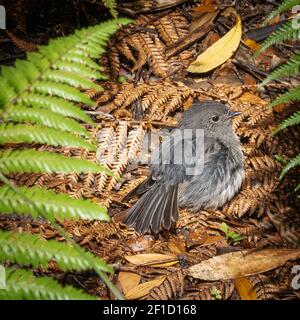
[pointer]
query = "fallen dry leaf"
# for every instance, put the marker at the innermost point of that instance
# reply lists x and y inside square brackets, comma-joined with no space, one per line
[245,289]
[147,259]
[165,264]
[249,81]
[220,51]
[239,264]
[254,46]
[252,98]
[211,240]
[141,243]
[205,8]
[128,280]
[144,288]
[281,107]
[177,246]
[196,237]
[202,20]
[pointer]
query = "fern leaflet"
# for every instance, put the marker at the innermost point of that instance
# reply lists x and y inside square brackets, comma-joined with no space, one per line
[51,203]
[22,284]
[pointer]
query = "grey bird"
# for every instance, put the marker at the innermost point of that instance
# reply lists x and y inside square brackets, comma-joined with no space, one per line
[209,174]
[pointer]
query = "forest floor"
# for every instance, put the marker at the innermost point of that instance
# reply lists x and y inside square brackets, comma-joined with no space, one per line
[148,90]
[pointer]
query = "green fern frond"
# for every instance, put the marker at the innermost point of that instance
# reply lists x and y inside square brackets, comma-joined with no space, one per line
[292,67]
[46,118]
[38,162]
[71,78]
[25,78]
[285,6]
[111,5]
[292,95]
[61,90]
[51,203]
[293,120]
[23,285]
[292,163]
[78,68]
[286,32]
[29,249]
[54,104]
[22,133]
[83,60]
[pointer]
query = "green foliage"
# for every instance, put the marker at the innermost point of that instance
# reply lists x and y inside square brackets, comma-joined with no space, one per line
[24,133]
[52,204]
[28,249]
[51,79]
[216,293]
[30,160]
[286,32]
[56,105]
[22,284]
[285,6]
[231,236]
[293,120]
[290,164]
[45,117]
[290,68]
[289,96]
[39,100]
[111,5]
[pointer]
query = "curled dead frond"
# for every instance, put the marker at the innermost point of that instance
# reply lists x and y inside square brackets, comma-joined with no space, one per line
[172,287]
[210,291]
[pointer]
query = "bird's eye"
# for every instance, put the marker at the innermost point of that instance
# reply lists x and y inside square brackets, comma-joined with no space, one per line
[215,118]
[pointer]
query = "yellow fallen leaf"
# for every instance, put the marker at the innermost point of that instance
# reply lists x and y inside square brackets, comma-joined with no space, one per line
[128,280]
[147,259]
[166,264]
[144,288]
[212,240]
[254,46]
[205,8]
[220,51]
[239,264]
[177,246]
[245,289]
[252,98]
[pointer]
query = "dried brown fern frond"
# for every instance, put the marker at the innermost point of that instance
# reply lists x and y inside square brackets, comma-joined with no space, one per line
[172,287]
[197,220]
[21,44]
[111,249]
[124,49]
[117,146]
[287,223]
[159,100]
[154,52]
[210,291]
[265,287]
[166,29]
[114,61]
[139,53]
[249,201]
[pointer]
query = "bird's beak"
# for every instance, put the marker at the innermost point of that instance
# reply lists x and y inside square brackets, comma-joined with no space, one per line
[233,114]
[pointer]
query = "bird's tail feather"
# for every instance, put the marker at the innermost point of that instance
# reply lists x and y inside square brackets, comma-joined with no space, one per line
[155,209]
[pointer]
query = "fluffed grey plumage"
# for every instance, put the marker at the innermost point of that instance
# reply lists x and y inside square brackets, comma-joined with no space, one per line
[169,185]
